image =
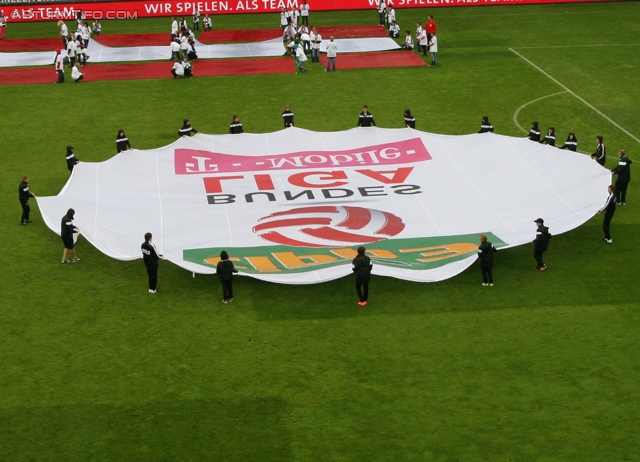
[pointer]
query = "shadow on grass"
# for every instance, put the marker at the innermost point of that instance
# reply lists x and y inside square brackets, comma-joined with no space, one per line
[172,429]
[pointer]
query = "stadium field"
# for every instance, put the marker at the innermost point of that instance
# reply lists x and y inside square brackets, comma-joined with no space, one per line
[540,367]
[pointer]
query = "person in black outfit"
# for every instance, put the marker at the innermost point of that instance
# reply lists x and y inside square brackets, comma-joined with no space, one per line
[609,209]
[534,133]
[122,142]
[187,129]
[550,137]
[66,233]
[225,270]
[485,254]
[571,143]
[485,126]
[600,156]
[24,195]
[409,120]
[71,159]
[623,170]
[366,118]
[541,244]
[236,126]
[287,117]
[151,259]
[362,267]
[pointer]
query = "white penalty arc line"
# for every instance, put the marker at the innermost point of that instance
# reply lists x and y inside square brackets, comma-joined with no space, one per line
[603,115]
[515,114]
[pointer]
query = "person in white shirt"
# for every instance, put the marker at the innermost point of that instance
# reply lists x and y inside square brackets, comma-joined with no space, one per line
[305,38]
[64,31]
[284,18]
[206,23]
[196,18]
[332,52]
[382,12]
[76,75]
[316,40]
[177,70]
[408,42]
[174,26]
[301,58]
[72,48]
[97,27]
[182,25]
[294,15]
[60,65]
[394,30]
[175,50]
[186,65]
[3,25]
[418,33]
[304,12]
[184,44]
[289,33]
[433,48]
[81,50]
[391,14]
[423,42]
[85,32]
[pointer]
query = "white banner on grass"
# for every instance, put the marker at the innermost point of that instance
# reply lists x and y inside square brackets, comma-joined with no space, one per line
[292,206]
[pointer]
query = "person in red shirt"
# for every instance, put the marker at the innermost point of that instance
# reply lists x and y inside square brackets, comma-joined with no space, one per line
[430,27]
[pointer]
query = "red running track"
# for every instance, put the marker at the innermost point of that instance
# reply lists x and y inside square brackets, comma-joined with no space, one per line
[376,60]
[157,70]
[260,35]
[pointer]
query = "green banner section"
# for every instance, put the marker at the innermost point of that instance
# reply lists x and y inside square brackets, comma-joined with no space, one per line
[414,254]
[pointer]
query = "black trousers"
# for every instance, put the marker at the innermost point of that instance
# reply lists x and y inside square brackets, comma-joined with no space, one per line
[487,275]
[227,289]
[537,254]
[621,188]
[305,20]
[60,76]
[606,224]
[362,295]
[25,211]
[152,271]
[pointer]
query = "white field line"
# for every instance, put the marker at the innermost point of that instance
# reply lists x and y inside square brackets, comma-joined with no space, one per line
[599,112]
[515,114]
[578,46]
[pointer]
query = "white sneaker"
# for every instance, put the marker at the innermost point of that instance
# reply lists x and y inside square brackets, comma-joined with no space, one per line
[151,291]
[485,284]
[225,301]
[608,241]
[230,300]
[65,261]
[491,284]
[75,260]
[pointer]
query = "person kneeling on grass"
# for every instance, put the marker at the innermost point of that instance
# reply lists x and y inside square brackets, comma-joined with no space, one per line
[394,30]
[408,42]
[177,70]
[76,75]
[186,65]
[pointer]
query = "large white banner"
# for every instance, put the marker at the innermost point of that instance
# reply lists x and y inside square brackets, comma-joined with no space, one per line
[292,206]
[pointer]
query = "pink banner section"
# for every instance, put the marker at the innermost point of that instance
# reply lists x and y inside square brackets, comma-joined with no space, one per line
[43,11]
[193,161]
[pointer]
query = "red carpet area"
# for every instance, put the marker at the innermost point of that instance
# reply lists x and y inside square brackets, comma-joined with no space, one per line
[260,35]
[372,60]
[134,40]
[352,32]
[239,36]
[158,70]
[38,44]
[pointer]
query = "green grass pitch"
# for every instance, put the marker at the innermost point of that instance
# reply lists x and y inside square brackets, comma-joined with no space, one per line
[541,367]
